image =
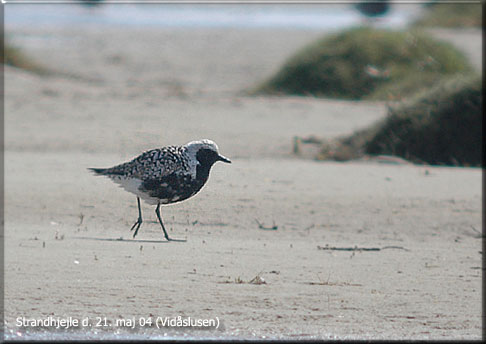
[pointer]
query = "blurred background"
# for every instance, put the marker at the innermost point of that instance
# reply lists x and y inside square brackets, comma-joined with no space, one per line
[383,50]
[316,16]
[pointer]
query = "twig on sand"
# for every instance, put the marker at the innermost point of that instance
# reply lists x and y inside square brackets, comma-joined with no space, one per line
[261,226]
[81,218]
[356,248]
[396,247]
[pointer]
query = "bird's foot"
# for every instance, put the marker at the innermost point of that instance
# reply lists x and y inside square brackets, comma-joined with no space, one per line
[176,240]
[136,226]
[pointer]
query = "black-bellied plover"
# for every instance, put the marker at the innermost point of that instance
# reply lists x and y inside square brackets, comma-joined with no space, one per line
[165,175]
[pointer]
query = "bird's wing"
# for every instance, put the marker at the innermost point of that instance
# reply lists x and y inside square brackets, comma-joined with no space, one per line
[153,164]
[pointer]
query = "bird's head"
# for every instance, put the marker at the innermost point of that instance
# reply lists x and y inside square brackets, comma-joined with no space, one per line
[206,152]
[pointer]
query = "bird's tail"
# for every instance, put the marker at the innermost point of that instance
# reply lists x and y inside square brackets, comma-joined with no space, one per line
[100,171]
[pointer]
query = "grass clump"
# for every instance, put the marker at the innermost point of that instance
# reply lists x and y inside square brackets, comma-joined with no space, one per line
[452,15]
[439,127]
[366,63]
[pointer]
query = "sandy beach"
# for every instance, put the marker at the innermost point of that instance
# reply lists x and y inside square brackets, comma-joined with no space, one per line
[116,93]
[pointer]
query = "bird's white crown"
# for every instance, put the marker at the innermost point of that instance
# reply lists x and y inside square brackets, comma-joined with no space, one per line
[194,146]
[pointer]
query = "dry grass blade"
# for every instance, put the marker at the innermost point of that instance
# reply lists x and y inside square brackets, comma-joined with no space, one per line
[356,248]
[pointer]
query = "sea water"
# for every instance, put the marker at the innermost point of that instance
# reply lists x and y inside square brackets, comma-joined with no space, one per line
[310,16]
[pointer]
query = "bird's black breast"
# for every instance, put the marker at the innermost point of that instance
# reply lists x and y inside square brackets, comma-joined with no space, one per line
[172,188]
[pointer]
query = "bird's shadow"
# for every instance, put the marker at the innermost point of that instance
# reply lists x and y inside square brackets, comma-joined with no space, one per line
[131,240]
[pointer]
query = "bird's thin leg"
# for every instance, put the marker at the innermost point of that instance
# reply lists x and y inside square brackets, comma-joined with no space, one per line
[157,211]
[137,224]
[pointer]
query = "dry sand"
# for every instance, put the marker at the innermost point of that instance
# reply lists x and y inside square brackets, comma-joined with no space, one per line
[123,92]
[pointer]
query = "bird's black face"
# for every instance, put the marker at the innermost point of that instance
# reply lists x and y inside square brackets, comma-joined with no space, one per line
[207,157]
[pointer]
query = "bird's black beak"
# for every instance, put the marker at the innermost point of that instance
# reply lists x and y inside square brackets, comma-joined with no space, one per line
[223,159]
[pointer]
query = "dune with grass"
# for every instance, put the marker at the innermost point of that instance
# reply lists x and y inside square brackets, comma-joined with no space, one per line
[367,63]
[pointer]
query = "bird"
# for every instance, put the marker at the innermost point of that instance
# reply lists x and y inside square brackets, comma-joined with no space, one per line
[165,175]
[372,9]
[91,3]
